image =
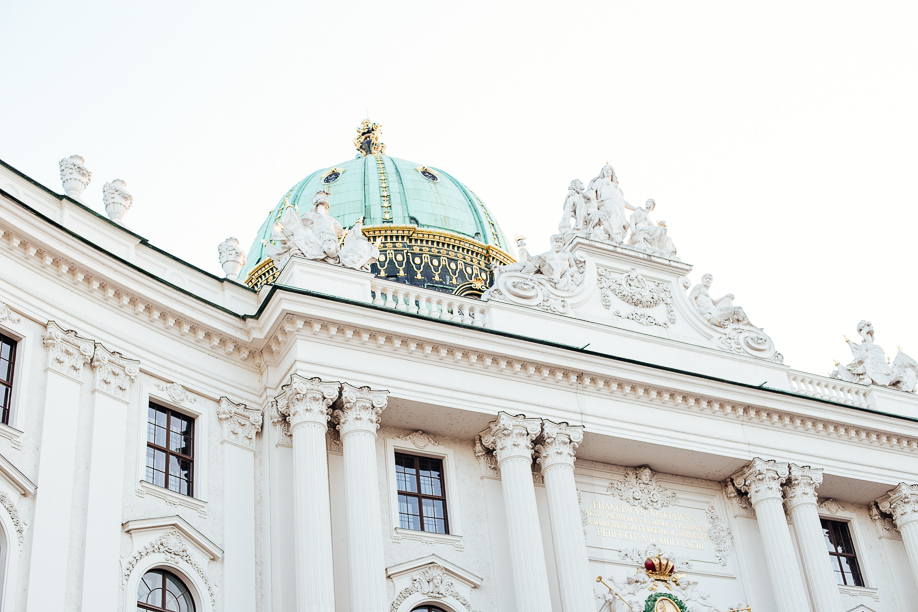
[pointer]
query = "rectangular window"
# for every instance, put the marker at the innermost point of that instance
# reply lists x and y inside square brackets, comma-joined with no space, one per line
[421,493]
[7,368]
[841,551]
[170,450]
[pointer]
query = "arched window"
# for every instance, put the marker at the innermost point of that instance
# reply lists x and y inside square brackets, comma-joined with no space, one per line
[428,609]
[163,592]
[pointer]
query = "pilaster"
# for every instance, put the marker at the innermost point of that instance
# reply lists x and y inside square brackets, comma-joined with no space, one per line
[357,417]
[556,450]
[802,504]
[902,504]
[762,481]
[304,403]
[510,437]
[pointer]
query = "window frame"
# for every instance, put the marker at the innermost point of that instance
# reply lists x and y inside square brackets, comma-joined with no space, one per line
[152,404]
[835,556]
[422,496]
[453,501]
[7,411]
[163,572]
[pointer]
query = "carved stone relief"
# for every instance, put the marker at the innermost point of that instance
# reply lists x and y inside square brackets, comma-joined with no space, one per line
[174,547]
[639,555]
[632,288]
[419,439]
[67,352]
[486,459]
[113,373]
[720,535]
[177,393]
[19,523]
[239,423]
[7,315]
[831,506]
[639,487]
[434,582]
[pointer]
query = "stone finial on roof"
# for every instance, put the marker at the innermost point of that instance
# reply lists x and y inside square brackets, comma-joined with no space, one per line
[117,200]
[74,175]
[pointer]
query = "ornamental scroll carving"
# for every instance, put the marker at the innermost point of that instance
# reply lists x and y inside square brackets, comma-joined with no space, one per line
[177,393]
[434,582]
[7,315]
[720,535]
[239,423]
[639,487]
[419,439]
[113,372]
[19,523]
[634,289]
[173,546]
[67,352]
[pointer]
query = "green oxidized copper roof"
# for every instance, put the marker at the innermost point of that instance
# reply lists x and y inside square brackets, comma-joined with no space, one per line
[445,204]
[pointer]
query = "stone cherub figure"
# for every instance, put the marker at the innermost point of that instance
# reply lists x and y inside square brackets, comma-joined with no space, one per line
[315,235]
[720,312]
[562,269]
[870,365]
[609,216]
[648,236]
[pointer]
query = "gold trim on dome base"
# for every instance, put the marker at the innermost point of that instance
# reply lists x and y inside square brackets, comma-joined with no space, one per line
[417,256]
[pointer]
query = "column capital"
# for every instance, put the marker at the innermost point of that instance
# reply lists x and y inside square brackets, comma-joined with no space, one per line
[558,443]
[360,409]
[511,436]
[306,400]
[901,503]
[801,485]
[113,373]
[761,479]
[239,423]
[67,352]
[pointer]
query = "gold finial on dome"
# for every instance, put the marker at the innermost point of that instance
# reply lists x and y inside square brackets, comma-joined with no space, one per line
[367,141]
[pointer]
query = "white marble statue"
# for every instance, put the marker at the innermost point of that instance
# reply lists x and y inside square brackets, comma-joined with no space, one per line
[608,221]
[720,312]
[870,365]
[117,200]
[232,257]
[578,204]
[557,265]
[314,235]
[522,261]
[648,236]
[357,252]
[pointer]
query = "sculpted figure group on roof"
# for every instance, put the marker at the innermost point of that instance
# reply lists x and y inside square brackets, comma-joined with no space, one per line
[598,212]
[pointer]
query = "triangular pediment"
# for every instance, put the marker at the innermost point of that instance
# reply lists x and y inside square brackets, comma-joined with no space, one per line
[152,528]
[16,479]
[456,572]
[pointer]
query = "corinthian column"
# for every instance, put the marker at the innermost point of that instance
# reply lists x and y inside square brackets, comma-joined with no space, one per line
[305,403]
[556,456]
[902,503]
[800,497]
[358,420]
[511,439]
[762,481]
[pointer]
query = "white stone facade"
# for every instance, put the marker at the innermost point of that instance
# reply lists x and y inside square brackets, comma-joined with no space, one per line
[578,432]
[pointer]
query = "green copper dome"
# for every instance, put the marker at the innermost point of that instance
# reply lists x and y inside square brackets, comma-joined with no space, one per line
[386,190]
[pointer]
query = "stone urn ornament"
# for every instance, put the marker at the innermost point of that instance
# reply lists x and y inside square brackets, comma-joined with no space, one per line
[117,200]
[74,175]
[232,258]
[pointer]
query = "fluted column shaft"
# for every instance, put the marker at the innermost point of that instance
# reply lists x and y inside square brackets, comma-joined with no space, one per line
[762,481]
[306,403]
[902,503]
[800,497]
[511,439]
[358,420]
[556,456]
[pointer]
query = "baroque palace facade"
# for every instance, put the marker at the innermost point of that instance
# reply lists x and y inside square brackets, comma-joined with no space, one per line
[381,409]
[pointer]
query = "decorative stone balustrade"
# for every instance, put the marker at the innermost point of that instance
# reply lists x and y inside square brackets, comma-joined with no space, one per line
[831,389]
[427,303]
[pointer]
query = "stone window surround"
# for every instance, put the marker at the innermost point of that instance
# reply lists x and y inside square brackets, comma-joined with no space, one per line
[14,329]
[846,515]
[199,412]
[454,537]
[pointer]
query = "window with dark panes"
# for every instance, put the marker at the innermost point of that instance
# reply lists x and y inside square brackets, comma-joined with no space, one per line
[162,591]
[421,493]
[841,551]
[170,450]
[7,369]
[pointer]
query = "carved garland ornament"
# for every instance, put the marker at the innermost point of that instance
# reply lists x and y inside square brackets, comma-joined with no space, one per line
[177,393]
[634,289]
[174,547]
[720,535]
[432,581]
[419,439]
[7,315]
[640,488]
[19,523]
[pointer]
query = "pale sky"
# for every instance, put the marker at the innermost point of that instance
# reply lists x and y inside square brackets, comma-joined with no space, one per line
[778,138]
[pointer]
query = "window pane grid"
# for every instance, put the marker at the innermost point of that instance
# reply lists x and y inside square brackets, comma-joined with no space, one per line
[172,466]
[7,371]
[841,551]
[421,494]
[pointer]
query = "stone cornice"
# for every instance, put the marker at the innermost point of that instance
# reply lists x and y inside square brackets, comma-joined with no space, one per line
[67,352]
[113,373]
[801,485]
[239,424]
[510,437]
